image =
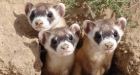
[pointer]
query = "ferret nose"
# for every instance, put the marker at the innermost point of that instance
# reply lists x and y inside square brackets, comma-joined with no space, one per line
[38,23]
[108,45]
[65,46]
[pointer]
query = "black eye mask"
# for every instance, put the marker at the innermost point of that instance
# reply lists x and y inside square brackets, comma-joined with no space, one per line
[32,16]
[98,37]
[50,16]
[42,13]
[116,35]
[36,13]
[56,41]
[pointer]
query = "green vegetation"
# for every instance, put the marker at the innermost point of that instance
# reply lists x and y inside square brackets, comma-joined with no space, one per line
[100,5]
[115,5]
[69,3]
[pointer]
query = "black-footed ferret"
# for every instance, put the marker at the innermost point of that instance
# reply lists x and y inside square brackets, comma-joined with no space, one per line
[45,15]
[99,43]
[60,44]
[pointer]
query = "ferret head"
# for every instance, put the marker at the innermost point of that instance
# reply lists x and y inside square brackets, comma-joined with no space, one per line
[60,41]
[44,15]
[106,33]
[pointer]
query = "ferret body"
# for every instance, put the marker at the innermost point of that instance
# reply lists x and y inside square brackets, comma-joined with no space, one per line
[99,43]
[58,65]
[60,44]
[91,62]
[45,15]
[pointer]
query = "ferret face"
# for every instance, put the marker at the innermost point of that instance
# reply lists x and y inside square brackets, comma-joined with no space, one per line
[106,34]
[44,15]
[60,41]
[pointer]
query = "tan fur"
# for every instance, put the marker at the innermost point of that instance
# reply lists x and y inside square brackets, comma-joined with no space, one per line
[55,63]
[90,61]
[57,67]
[44,22]
[61,23]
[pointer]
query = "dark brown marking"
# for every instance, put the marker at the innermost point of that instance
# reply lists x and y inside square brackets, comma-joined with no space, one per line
[28,7]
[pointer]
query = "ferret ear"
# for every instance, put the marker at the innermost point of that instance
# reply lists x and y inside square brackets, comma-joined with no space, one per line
[75,28]
[88,25]
[42,36]
[60,8]
[28,7]
[121,22]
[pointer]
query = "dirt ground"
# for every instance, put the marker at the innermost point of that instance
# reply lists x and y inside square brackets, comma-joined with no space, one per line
[19,53]
[18,41]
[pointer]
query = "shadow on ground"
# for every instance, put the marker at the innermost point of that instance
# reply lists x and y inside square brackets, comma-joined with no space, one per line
[22,27]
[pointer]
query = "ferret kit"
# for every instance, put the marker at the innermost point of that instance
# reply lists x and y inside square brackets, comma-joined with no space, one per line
[45,15]
[99,43]
[60,44]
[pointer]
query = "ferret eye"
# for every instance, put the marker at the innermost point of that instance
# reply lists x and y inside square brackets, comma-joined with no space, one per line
[50,14]
[70,37]
[32,16]
[54,41]
[115,33]
[97,35]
